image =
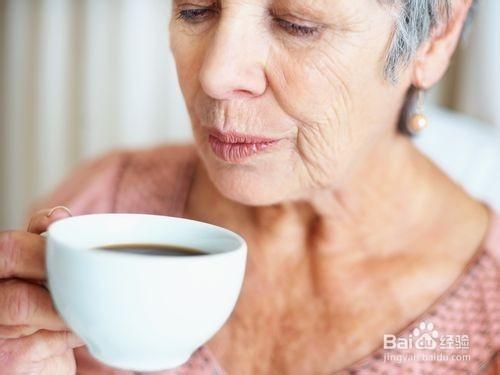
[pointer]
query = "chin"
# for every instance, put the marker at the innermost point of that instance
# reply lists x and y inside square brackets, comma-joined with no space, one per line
[257,181]
[247,187]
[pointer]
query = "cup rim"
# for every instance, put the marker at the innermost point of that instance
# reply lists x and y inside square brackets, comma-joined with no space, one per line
[54,235]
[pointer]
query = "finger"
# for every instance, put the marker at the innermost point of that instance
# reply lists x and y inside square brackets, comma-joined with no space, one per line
[15,332]
[43,344]
[22,255]
[40,221]
[63,364]
[23,303]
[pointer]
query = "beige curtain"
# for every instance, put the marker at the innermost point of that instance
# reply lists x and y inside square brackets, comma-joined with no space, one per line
[81,77]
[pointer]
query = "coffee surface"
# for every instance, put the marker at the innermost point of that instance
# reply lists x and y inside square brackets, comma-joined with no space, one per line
[153,249]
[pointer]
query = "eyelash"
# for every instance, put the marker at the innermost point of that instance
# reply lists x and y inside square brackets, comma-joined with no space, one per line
[295,29]
[193,15]
[197,15]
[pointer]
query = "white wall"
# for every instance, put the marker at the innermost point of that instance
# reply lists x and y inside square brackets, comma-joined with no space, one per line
[81,77]
[478,85]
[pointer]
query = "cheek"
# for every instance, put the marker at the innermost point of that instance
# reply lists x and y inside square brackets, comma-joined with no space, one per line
[334,91]
[314,87]
[188,62]
[309,86]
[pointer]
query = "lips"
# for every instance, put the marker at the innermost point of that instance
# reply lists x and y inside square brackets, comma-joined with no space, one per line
[236,147]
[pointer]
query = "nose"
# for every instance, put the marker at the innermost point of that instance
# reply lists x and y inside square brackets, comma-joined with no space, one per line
[233,65]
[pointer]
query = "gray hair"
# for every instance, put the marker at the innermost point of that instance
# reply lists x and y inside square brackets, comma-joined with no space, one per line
[414,22]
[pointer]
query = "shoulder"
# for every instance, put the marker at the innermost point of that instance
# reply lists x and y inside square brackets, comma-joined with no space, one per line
[159,161]
[87,187]
[103,182]
[156,181]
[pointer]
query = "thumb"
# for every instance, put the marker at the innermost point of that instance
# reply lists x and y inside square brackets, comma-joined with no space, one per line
[45,344]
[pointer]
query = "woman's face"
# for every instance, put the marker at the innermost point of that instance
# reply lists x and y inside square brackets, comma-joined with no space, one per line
[285,96]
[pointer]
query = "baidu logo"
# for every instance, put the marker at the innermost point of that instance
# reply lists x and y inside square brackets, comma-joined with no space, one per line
[425,343]
[425,336]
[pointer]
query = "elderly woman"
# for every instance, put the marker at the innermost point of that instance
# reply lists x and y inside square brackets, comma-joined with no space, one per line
[302,114]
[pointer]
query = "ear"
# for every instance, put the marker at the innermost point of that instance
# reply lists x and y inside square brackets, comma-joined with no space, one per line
[433,57]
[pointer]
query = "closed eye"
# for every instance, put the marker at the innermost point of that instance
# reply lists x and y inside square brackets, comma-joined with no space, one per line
[296,29]
[195,15]
[198,15]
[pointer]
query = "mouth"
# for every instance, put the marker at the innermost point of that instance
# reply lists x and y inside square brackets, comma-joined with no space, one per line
[236,147]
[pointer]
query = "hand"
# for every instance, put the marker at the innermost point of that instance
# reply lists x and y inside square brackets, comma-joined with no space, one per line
[33,337]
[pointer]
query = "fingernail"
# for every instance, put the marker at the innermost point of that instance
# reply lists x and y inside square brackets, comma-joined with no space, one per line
[59,207]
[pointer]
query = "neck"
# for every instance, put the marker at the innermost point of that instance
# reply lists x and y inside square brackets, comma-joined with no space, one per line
[399,201]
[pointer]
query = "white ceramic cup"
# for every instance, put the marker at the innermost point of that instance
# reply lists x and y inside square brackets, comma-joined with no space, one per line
[137,311]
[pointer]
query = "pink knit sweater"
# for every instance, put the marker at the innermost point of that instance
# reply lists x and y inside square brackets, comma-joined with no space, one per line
[466,318]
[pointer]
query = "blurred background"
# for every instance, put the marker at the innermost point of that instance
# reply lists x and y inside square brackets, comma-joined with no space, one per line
[80,77]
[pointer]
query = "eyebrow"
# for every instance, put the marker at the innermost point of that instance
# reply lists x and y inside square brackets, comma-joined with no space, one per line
[207,1]
[314,8]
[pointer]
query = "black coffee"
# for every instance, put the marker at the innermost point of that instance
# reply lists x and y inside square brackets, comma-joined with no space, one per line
[153,249]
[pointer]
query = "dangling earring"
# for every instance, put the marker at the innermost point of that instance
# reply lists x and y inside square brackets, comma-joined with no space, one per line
[418,121]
